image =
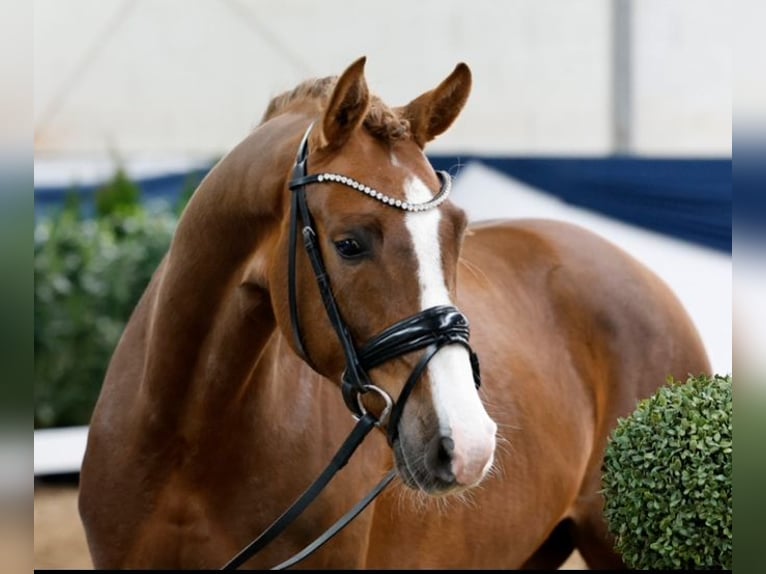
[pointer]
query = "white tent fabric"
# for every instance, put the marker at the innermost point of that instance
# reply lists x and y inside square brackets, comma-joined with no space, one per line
[173,76]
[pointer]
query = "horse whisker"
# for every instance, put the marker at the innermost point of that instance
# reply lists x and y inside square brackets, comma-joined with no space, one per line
[474,269]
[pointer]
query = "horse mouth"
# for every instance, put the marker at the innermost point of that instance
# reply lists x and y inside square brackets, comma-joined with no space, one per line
[417,477]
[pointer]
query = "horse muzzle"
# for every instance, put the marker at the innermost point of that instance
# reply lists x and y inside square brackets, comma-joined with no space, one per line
[440,464]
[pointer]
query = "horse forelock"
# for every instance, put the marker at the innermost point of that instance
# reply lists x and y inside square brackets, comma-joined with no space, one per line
[381,121]
[384,123]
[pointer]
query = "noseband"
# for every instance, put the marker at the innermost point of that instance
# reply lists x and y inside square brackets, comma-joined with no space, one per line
[430,329]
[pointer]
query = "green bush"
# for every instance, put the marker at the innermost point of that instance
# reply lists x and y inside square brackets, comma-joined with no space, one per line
[667,478]
[89,275]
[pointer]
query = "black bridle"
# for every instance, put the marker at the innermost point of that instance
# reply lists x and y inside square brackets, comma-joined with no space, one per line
[430,329]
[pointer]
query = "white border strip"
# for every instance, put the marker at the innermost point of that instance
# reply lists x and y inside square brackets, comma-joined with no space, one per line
[59,450]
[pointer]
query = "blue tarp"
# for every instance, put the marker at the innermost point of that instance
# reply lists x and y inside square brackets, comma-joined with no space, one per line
[686,198]
[690,199]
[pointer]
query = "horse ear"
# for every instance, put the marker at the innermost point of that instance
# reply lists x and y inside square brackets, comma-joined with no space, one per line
[433,112]
[348,105]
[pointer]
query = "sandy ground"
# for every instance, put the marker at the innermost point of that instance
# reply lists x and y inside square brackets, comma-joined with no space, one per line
[59,536]
[15,538]
[60,540]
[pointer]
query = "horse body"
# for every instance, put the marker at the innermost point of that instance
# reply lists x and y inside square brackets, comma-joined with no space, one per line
[209,424]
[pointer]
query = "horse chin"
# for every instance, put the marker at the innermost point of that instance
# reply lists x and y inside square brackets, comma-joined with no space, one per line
[415,476]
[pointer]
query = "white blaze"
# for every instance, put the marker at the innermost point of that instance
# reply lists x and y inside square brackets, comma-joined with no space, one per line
[460,412]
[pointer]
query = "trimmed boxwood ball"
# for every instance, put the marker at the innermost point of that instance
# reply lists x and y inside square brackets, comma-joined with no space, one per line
[667,478]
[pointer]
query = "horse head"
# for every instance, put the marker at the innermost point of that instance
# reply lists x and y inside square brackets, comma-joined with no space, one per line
[388,255]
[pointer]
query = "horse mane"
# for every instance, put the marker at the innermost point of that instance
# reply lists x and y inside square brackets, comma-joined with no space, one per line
[381,121]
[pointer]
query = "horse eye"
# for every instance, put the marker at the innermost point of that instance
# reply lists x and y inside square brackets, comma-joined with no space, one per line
[349,248]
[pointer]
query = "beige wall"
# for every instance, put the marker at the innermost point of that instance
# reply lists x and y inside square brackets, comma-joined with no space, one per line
[181,77]
[682,77]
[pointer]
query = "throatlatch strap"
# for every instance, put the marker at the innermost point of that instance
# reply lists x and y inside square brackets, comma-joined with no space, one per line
[297,332]
[298,170]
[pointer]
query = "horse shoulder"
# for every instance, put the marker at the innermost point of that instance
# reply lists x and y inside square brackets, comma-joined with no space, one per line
[105,483]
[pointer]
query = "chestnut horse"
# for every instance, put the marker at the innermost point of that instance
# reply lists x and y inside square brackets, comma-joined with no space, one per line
[216,414]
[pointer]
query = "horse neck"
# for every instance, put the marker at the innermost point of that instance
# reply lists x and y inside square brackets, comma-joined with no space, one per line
[210,316]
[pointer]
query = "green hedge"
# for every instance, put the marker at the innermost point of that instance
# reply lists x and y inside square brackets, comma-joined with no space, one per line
[667,478]
[89,275]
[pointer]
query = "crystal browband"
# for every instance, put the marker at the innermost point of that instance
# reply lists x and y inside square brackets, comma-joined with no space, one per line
[383,198]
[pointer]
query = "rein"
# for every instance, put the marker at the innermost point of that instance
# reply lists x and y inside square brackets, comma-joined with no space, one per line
[430,329]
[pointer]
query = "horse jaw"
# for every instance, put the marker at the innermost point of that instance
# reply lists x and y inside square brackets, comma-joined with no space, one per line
[461,415]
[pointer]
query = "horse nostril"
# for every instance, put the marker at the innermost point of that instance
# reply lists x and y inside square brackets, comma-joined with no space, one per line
[446,448]
[439,458]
